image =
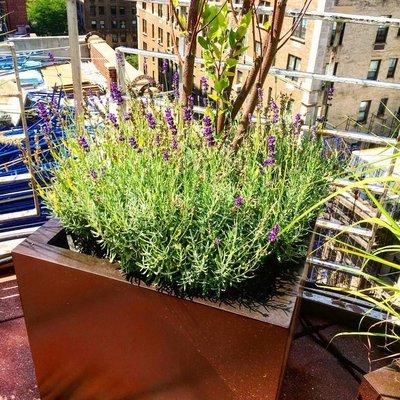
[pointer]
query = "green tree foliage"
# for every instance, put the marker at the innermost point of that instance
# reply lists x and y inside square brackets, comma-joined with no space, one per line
[48,17]
[133,59]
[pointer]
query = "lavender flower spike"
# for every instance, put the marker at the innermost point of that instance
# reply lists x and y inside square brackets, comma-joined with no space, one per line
[93,174]
[113,118]
[169,119]
[83,143]
[116,94]
[297,123]
[165,66]
[239,201]
[151,120]
[275,112]
[207,130]
[274,233]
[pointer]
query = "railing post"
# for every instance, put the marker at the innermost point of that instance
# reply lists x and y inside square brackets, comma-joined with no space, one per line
[75,54]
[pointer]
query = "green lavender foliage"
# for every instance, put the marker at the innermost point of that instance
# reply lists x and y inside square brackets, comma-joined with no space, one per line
[177,221]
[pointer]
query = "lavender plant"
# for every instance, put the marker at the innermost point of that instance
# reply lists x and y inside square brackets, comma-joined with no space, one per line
[168,199]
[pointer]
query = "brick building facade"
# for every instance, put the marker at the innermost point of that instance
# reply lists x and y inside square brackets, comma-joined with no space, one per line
[16,10]
[115,20]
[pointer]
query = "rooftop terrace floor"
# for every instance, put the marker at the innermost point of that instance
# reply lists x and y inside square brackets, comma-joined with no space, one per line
[313,372]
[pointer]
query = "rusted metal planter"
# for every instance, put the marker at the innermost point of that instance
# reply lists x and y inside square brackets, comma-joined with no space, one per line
[93,335]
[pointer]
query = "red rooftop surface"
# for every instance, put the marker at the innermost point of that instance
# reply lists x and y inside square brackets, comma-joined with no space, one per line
[314,371]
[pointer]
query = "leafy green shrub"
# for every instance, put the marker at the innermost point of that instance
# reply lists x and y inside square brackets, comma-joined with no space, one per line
[175,206]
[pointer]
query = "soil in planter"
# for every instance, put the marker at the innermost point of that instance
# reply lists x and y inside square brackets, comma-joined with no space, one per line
[271,280]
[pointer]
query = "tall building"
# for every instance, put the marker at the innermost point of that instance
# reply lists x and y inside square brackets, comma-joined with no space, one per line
[16,18]
[344,49]
[115,20]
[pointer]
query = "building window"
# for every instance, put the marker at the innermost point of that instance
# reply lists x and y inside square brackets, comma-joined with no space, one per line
[258,48]
[160,10]
[123,37]
[363,111]
[114,24]
[152,8]
[300,30]
[373,69]
[239,77]
[121,10]
[113,10]
[144,26]
[144,46]
[152,31]
[160,35]
[168,39]
[263,18]
[93,24]
[101,10]
[115,38]
[122,24]
[293,64]
[143,5]
[335,68]
[392,67]
[92,10]
[102,24]
[381,34]
[382,107]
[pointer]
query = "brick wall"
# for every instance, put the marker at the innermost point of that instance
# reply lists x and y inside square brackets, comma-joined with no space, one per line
[17,10]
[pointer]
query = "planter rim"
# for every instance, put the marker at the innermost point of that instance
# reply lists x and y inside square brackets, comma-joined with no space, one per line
[278,311]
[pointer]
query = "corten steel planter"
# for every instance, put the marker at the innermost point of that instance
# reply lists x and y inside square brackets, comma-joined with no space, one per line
[93,335]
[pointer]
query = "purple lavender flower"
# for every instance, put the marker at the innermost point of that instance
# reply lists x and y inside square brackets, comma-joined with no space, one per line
[127,116]
[314,132]
[121,138]
[329,95]
[175,84]
[217,241]
[165,155]
[157,139]
[51,57]
[274,232]
[250,118]
[204,89]
[93,174]
[208,130]
[275,112]
[297,123]
[187,114]
[113,118]
[42,110]
[116,94]
[239,201]
[120,58]
[174,144]
[268,162]
[271,146]
[83,143]
[204,84]
[164,67]
[260,98]
[151,120]
[132,141]
[169,119]
[190,101]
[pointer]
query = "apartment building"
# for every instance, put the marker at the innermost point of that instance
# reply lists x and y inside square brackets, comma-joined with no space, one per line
[16,18]
[115,20]
[344,49]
